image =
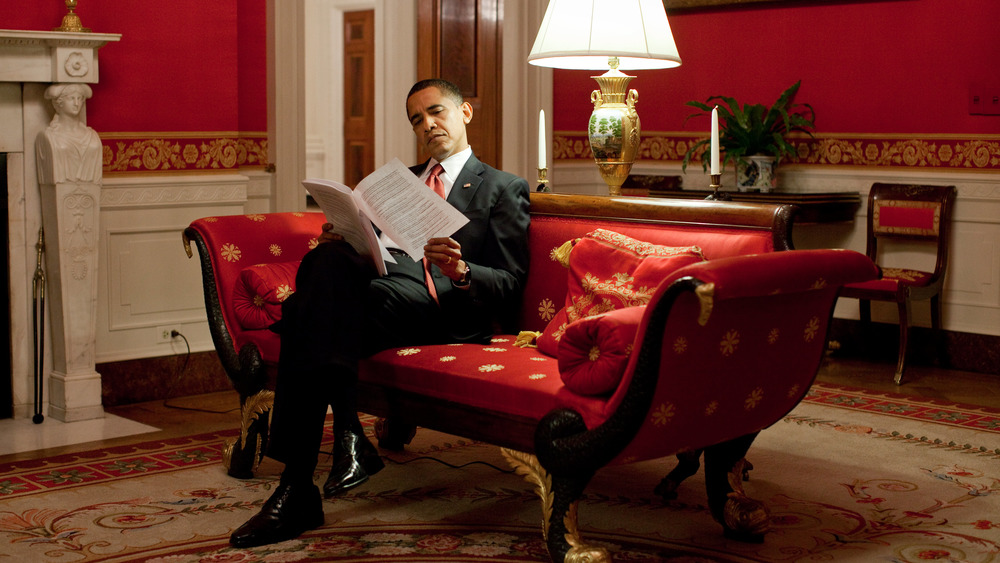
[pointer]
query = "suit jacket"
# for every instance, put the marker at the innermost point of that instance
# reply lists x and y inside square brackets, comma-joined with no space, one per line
[494,245]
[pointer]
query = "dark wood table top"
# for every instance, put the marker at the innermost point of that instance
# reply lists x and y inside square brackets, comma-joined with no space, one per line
[817,207]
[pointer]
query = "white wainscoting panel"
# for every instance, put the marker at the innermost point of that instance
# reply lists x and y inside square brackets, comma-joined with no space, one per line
[147,282]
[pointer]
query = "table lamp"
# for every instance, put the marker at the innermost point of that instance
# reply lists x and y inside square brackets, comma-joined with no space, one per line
[613,35]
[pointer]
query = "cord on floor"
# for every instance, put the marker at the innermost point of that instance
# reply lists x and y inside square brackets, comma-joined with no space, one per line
[441,461]
[177,379]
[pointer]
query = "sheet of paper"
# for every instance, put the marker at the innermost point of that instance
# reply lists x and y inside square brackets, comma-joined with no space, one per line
[406,209]
[341,209]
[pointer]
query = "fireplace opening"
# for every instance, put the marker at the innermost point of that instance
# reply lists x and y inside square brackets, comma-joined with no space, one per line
[6,381]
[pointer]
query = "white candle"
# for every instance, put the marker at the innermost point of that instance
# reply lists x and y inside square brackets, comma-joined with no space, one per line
[541,139]
[715,140]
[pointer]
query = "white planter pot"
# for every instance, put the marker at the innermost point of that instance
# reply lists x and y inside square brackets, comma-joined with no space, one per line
[756,173]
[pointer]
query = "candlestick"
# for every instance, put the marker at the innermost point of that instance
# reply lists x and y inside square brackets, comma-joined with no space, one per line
[715,140]
[543,181]
[542,164]
[716,194]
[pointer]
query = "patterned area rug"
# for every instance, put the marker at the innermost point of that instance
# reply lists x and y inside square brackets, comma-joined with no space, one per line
[848,476]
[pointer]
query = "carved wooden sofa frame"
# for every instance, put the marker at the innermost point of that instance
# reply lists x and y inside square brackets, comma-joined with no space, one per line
[725,348]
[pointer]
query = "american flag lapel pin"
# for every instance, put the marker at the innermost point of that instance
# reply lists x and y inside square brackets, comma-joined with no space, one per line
[467,186]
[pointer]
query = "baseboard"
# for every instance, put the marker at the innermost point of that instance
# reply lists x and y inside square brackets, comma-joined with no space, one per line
[151,379]
[963,351]
[164,377]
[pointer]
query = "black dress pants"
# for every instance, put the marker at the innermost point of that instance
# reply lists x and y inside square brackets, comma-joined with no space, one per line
[340,312]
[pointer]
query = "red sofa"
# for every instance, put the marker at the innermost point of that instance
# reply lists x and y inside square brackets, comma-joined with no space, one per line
[724,348]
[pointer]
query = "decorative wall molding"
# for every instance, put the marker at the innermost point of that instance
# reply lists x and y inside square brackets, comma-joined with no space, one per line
[164,191]
[171,152]
[953,152]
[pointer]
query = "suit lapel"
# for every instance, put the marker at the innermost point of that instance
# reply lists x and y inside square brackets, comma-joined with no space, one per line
[466,184]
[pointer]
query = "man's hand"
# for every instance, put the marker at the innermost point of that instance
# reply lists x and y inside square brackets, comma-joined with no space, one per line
[328,235]
[446,253]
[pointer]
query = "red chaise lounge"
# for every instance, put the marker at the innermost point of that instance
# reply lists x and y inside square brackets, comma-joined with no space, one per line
[724,348]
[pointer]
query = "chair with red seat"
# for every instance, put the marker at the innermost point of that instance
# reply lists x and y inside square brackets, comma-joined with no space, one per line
[908,214]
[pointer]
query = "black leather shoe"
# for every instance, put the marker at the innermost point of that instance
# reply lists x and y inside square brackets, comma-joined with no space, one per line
[355,459]
[291,510]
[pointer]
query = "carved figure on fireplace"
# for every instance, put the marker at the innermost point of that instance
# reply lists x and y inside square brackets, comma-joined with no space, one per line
[68,149]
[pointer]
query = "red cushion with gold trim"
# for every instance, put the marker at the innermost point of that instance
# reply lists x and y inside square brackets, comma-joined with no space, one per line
[498,376]
[609,271]
[893,279]
[594,351]
[259,291]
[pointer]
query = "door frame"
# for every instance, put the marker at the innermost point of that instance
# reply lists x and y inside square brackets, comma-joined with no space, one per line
[526,88]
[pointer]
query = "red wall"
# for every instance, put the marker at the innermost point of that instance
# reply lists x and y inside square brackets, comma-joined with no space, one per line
[184,89]
[867,66]
[192,73]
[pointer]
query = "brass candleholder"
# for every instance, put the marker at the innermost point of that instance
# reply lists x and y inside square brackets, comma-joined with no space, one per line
[71,21]
[543,180]
[716,195]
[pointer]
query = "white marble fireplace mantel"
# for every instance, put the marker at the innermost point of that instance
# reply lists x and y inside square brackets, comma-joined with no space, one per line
[29,62]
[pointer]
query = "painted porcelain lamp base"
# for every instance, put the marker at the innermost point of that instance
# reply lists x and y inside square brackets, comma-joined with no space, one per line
[614,127]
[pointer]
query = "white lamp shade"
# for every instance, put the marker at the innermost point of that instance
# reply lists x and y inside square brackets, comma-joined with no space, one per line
[582,34]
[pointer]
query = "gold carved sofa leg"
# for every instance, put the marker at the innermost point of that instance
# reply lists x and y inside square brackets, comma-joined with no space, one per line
[241,456]
[578,551]
[742,518]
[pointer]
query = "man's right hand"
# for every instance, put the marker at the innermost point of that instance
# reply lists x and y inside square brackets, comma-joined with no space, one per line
[328,235]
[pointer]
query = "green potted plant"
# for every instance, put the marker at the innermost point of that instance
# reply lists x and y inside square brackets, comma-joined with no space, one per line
[753,135]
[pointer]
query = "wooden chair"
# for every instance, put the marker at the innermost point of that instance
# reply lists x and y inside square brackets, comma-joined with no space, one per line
[899,213]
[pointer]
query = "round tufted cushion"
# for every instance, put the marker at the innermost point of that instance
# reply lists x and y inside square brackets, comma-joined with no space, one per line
[259,291]
[594,351]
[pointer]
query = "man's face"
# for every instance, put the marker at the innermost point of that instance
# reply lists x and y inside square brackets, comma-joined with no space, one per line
[438,122]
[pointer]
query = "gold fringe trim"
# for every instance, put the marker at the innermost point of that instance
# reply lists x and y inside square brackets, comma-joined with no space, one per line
[527,339]
[561,254]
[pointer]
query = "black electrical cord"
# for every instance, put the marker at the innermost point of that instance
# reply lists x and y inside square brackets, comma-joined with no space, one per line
[441,461]
[177,379]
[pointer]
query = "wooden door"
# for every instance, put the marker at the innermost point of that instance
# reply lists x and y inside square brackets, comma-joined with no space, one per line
[359,95]
[460,41]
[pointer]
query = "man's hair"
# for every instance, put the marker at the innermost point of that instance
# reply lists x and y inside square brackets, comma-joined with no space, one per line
[449,89]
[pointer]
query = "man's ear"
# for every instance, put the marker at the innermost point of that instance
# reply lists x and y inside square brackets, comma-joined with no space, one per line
[467,112]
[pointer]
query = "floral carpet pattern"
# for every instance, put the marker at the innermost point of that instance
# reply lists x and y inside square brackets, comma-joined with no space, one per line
[849,475]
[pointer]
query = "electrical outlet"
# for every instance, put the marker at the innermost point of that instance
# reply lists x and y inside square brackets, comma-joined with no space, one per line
[991,102]
[984,101]
[163,333]
[977,103]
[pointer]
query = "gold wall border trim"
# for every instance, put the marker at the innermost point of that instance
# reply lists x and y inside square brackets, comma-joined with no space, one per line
[952,152]
[183,152]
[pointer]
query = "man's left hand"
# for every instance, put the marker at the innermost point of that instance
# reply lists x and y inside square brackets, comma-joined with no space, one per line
[446,253]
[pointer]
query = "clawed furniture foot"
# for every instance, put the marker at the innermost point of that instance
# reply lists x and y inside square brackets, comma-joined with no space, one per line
[687,465]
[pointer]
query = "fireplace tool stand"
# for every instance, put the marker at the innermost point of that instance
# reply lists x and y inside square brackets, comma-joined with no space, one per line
[38,313]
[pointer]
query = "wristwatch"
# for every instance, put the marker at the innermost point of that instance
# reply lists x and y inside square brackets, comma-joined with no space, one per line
[466,277]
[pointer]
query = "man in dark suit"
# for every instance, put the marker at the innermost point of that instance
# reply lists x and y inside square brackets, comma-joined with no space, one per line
[342,311]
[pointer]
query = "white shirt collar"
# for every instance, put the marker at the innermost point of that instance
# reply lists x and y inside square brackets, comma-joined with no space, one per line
[452,165]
